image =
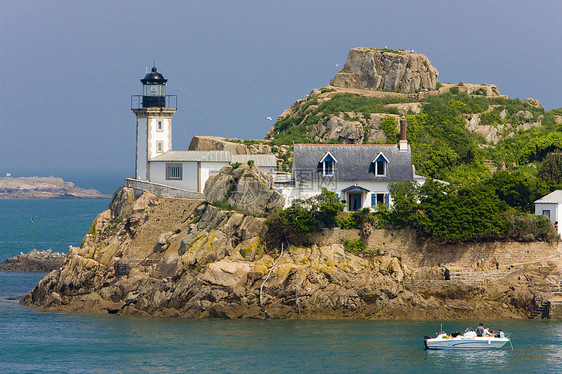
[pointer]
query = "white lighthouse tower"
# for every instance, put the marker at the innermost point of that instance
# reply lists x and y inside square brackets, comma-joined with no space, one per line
[154,111]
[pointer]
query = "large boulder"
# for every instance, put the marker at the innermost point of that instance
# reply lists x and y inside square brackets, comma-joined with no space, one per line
[245,188]
[215,143]
[382,69]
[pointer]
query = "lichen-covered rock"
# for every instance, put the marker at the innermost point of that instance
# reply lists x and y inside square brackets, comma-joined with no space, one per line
[190,259]
[381,69]
[246,188]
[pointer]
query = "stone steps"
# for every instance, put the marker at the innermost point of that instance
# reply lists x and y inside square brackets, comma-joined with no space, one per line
[476,276]
[540,311]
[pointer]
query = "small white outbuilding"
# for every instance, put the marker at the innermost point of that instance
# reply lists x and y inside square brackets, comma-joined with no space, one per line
[551,207]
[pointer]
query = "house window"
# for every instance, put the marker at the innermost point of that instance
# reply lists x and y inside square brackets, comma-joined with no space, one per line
[327,165]
[546,213]
[159,146]
[379,165]
[380,198]
[159,126]
[173,172]
[381,168]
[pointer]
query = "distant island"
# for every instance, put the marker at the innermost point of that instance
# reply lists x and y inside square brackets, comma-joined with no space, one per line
[44,188]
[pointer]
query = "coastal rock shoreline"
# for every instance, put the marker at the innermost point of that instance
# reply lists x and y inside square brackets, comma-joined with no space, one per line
[34,261]
[169,257]
[44,188]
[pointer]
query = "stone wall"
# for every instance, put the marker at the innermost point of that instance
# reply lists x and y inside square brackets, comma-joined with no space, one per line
[414,253]
[161,190]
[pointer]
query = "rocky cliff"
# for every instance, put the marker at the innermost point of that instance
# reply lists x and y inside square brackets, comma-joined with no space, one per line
[384,69]
[44,188]
[186,258]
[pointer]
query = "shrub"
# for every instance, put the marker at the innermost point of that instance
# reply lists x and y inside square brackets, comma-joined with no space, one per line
[454,90]
[303,217]
[354,245]
[529,227]
[389,126]
[251,163]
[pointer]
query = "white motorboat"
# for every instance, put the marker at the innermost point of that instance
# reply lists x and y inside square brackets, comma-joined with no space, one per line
[468,340]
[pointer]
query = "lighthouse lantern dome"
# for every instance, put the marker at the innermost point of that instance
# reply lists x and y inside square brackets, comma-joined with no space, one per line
[154,90]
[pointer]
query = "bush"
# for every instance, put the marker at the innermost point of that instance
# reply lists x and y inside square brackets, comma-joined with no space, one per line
[529,227]
[303,217]
[454,90]
[389,126]
[468,214]
[354,245]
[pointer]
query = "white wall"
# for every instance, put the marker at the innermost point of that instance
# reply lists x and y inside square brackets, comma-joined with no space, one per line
[189,175]
[163,136]
[305,190]
[141,155]
[208,169]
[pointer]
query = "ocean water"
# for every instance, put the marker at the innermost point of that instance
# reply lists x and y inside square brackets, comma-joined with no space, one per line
[37,342]
[56,225]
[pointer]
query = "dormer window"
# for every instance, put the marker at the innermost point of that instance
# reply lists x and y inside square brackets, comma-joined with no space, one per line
[380,165]
[327,165]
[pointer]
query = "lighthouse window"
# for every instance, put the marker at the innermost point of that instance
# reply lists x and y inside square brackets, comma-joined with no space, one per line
[159,146]
[173,171]
[159,126]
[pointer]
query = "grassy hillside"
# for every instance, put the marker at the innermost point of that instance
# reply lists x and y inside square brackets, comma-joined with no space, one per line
[443,146]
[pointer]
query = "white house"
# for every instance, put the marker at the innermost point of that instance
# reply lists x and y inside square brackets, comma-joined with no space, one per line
[359,174]
[155,160]
[551,207]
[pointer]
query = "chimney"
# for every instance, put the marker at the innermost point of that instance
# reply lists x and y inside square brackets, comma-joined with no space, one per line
[403,144]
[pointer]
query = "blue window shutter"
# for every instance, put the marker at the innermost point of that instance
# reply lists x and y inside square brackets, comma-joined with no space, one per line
[386,199]
[373,199]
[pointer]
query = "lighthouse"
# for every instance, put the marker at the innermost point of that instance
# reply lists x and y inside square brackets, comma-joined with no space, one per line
[153,111]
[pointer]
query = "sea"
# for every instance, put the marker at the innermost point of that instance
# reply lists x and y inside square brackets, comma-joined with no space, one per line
[39,342]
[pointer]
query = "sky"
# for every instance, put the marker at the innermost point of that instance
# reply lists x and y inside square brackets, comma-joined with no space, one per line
[70,67]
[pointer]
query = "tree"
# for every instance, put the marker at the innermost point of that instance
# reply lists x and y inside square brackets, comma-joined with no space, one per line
[518,189]
[404,211]
[551,168]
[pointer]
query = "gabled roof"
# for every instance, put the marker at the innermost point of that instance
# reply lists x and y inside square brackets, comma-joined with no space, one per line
[326,155]
[354,161]
[552,198]
[263,160]
[355,188]
[380,154]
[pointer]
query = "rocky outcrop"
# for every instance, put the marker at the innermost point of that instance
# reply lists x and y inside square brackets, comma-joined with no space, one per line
[44,188]
[245,188]
[382,69]
[215,143]
[495,133]
[355,128]
[183,258]
[34,261]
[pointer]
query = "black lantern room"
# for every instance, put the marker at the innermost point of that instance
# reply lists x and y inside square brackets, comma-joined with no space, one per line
[154,90]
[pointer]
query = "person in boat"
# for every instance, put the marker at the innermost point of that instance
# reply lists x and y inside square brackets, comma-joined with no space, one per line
[500,334]
[480,329]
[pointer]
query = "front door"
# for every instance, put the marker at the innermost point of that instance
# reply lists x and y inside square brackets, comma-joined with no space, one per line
[354,201]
